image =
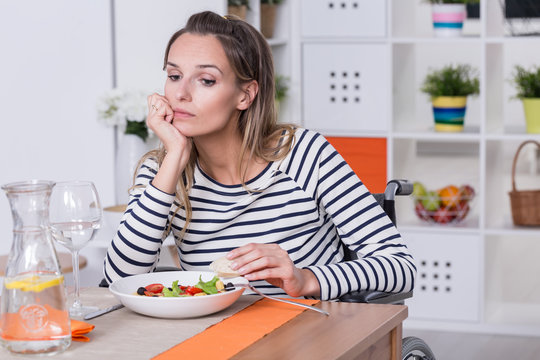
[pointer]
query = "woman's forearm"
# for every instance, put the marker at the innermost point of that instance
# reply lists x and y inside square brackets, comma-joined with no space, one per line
[168,174]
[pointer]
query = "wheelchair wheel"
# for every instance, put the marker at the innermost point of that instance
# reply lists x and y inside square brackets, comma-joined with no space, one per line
[414,348]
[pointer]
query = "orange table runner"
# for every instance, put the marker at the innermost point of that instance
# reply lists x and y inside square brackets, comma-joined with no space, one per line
[230,336]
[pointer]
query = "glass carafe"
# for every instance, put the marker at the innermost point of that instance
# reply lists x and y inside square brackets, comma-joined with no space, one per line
[34,316]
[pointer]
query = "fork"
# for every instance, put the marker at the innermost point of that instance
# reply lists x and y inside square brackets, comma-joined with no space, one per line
[252,288]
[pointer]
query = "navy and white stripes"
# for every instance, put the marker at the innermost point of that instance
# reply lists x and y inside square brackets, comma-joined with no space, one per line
[310,203]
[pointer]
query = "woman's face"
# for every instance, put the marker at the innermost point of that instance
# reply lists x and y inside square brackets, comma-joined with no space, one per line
[201,86]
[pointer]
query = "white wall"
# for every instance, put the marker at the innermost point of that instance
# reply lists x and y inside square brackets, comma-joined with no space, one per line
[56,60]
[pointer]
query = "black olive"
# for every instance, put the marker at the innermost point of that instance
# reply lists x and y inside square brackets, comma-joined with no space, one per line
[229,287]
[141,291]
[170,289]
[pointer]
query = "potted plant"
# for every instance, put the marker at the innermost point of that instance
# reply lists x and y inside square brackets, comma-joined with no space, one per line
[448,88]
[527,83]
[238,8]
[268,17]
[448,16]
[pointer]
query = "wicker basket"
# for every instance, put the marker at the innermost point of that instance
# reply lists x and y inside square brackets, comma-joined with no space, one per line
[526,203]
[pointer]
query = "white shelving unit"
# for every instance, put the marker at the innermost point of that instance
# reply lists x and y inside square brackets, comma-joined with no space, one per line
[479,275]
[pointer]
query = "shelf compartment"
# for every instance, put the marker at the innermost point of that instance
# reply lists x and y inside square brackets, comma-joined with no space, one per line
[452,162]
[499,158]
[412,109]
[504,113]
[512,289]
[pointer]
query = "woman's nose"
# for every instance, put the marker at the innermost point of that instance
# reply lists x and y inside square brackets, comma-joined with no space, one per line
[183,92]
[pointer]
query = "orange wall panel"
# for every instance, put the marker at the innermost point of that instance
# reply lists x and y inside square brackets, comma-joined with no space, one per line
[367,157]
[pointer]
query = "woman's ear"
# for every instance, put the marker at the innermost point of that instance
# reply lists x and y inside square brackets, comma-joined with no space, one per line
[249,91]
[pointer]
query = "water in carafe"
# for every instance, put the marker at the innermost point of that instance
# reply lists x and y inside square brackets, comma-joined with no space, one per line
[34,316]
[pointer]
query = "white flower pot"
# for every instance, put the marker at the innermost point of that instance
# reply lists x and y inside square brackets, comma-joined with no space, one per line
[448,19]
[130,150]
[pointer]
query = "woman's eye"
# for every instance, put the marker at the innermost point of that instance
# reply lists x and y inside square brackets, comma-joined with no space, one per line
[208,82]
[174,77]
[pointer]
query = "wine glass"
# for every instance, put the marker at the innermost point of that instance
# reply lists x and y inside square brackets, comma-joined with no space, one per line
[75,215]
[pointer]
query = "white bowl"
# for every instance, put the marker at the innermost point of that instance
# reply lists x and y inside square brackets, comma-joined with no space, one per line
[125,290]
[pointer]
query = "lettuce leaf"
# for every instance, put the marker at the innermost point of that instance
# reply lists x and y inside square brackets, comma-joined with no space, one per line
[209,287]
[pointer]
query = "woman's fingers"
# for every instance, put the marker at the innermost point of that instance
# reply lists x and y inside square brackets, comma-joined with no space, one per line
[159,120]
[159,107]
[271,263]
[261,258]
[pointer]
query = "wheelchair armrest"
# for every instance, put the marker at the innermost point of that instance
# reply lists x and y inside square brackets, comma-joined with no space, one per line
[376,297]
[104,283]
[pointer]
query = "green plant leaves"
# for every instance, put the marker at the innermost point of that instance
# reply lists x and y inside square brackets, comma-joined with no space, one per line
[452,80]
[527,82]
[137,128]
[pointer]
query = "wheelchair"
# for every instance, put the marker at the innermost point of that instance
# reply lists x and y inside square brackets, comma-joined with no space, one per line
[413,348]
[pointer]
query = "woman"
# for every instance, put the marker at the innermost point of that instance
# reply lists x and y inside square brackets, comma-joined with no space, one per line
[228,180]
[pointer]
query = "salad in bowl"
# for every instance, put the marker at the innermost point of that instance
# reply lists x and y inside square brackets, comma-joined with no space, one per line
[177,294]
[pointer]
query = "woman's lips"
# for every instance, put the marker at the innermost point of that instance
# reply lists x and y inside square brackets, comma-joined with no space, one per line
[182,114]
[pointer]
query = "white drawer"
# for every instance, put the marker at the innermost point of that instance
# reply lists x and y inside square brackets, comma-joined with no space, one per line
[448,283]
[345,87]
[349,18]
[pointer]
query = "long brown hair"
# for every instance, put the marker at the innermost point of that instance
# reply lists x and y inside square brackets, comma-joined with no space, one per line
[251,59]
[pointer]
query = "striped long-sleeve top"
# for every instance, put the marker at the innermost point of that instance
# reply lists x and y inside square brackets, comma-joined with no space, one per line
[311,203]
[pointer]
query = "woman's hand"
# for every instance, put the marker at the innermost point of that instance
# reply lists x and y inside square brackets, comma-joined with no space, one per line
[159,120]
[178,146]
[271,263]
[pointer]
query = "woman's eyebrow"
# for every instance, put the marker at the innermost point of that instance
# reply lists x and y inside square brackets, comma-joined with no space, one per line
[203,66]
[210,66]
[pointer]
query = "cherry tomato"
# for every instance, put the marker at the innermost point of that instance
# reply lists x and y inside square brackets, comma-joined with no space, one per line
[192,290]
[154,288]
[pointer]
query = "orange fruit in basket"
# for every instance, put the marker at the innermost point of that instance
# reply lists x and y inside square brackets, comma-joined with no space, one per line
[449,196]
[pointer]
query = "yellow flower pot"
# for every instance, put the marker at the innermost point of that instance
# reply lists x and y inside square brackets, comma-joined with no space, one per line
[532,114]
[449,113]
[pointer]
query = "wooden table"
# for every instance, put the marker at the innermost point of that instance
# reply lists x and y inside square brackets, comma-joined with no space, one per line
[66,264]
[352,331]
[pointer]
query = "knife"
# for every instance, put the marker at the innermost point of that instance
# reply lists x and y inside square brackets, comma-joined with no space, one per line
[97,313]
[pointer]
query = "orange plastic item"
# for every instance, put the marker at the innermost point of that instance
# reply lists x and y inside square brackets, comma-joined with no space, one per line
[367,158]
[47,323]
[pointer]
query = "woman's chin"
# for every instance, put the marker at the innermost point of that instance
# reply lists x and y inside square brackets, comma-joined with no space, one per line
[183,129]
